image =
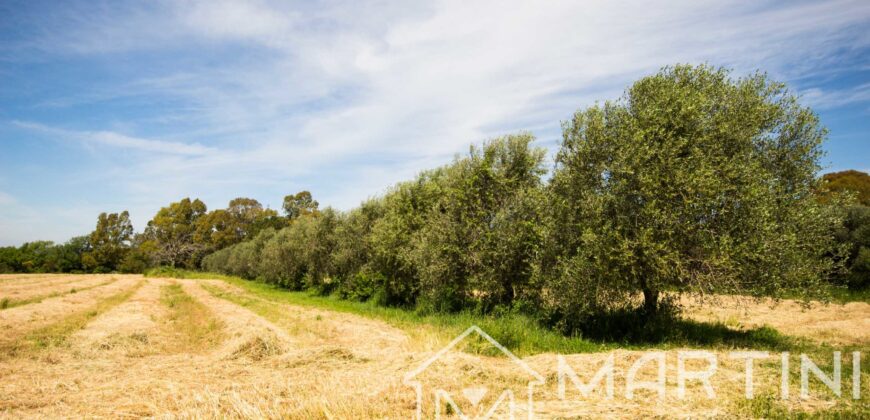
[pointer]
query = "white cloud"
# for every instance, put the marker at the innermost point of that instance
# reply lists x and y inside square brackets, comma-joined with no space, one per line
[345,98]
[826,99]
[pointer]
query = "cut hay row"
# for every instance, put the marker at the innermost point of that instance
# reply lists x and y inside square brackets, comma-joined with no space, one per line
[56,333]
[248,335]
[128,328]
[37,294]
[12,287]
[15,322]
[317,327]
[352,336]
[7,280]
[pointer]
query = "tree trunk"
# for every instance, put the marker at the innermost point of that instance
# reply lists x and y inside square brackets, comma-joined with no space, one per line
[650,301]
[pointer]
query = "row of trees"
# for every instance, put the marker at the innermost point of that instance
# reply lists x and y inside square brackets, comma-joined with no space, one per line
[180,234]
[45,257]
[692,182]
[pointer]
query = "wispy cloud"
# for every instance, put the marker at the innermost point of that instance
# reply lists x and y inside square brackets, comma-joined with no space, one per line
[345,98]
[109,138]
[827,99]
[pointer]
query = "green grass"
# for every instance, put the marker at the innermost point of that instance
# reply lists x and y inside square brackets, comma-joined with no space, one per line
[192,325]
[7,303]
[56,334]
[519,333]
[842,295]
[770,406]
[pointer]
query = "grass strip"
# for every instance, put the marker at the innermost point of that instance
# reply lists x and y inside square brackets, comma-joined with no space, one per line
[192,325]
[519,333]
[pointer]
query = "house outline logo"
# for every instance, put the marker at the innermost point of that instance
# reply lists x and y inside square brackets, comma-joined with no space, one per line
[474,395]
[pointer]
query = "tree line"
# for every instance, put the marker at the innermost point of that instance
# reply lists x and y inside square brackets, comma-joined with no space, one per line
[180,234]
[693,181]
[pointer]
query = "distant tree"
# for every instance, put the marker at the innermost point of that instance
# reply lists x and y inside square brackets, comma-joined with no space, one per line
[299,204]
[216,230]
[855,235]
[173,230]
[854,182]
[71,253]
[693,182]
[250,216]
[45,257]
[109,242]
[10,259]
[142,255]
[36,256]
[241,220]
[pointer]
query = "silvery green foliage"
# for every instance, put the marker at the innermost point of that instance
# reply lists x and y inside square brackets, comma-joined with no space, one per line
[692,182]
[480,238]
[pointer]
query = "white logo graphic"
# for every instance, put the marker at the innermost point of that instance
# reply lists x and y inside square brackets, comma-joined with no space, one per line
[473,394]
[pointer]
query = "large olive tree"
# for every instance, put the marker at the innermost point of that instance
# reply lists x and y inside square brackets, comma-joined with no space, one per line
[694,182]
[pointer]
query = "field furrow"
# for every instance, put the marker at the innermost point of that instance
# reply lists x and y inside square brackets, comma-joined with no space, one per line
[249,335]
[129,327]
[33,294]
[20,280]
[17,321]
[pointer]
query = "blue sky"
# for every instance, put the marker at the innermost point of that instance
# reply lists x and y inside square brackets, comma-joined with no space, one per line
[107,106]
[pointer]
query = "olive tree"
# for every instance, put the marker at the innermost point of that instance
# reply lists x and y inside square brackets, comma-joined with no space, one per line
[479,240]
[693,181]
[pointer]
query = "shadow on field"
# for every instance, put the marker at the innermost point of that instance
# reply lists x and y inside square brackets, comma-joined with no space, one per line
[636,328]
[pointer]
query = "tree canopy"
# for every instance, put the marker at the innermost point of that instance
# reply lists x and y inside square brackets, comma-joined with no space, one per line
[109,242]
[694,182]
[299,204]
[851,182]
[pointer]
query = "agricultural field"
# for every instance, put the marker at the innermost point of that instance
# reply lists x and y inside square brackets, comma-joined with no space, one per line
[133,346]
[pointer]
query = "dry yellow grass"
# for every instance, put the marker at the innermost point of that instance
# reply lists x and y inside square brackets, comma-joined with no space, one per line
[273,360]
[35,281]
[33,293]
[16,321]
[831,323]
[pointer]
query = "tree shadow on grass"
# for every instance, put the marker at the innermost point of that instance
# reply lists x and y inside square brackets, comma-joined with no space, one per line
[635,328]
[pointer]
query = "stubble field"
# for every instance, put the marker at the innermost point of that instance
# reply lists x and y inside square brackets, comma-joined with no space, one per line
[130,346]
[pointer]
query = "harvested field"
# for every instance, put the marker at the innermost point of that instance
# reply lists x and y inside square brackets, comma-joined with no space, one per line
[830,323]
[151,347]
[18,295]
